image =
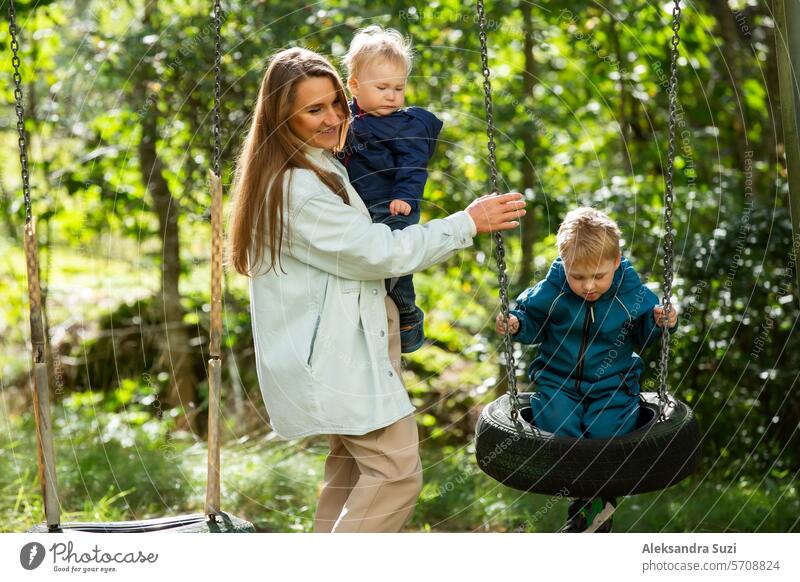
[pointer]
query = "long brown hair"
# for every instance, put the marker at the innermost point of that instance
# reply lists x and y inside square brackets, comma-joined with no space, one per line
[269,151]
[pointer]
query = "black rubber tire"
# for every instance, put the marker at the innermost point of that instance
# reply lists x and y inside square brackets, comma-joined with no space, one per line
[652,457]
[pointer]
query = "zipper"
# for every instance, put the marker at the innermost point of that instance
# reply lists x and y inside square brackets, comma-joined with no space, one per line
[588,319]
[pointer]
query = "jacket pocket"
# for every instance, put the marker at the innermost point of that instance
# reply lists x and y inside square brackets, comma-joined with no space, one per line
[317,322]
[350,286]
[313,339]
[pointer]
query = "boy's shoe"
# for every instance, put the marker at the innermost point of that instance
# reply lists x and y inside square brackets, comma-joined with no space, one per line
[590,515]
[575,523]
[412,331]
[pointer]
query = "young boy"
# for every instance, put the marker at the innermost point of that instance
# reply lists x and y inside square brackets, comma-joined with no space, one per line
[387,150]
[589,315]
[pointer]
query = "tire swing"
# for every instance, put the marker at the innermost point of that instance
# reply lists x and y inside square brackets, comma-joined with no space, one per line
[213,519]
[662,450]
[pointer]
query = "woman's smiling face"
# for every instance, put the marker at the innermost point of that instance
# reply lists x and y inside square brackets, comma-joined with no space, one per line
[317,113]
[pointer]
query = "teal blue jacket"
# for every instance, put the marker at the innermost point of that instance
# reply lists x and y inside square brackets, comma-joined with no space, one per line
[587,345]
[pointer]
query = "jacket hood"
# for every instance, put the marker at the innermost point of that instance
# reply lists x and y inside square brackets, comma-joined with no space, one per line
[625,278]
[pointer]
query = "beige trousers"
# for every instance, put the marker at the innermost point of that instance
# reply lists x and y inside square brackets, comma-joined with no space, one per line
[372,481]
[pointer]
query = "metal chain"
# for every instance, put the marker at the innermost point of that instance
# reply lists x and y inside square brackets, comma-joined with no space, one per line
[669,237]
[500,250]
[217,123]
[22,141]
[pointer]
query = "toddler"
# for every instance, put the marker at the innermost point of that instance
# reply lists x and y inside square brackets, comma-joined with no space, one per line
[387,150]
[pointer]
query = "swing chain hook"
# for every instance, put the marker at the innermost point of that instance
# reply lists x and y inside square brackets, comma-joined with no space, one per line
[500,250]
[669,236]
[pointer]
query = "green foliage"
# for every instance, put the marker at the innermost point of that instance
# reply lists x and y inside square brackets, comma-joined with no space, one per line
[591,130]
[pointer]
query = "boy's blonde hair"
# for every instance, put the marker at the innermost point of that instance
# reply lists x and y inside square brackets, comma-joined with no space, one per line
[376,42]
[587,235]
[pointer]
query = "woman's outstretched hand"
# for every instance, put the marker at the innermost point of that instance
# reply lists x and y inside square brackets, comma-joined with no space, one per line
[491,212]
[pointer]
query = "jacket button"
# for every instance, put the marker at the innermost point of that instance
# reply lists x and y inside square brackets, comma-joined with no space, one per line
[374,291]
[383,333]
[391,374]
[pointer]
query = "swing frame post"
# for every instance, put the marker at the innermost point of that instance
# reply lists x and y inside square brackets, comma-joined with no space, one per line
[212,504]
[213,520]
[45,448]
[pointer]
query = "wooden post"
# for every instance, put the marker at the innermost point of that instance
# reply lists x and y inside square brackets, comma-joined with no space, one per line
[215,363]
[41,393]
[213,488]
[216,264]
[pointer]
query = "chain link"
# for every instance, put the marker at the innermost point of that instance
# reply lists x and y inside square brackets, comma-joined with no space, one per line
[22,140]
[217,123]
[500,250]
[669,237]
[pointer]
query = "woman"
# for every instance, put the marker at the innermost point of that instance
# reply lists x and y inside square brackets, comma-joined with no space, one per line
[325,333]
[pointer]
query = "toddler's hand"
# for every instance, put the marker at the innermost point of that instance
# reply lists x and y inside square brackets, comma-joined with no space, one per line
[658,315]
[513,324]
[399,207]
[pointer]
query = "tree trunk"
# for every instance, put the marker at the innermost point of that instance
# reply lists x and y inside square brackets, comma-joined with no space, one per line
[529,231]
[771,134]
[175,351]
[726,22]
[528,222]
[623,98]
[787,20]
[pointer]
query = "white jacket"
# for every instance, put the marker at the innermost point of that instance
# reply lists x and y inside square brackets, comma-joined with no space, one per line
[320,328]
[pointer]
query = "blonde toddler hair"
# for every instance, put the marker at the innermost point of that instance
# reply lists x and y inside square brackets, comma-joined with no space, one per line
[587,236]
[375,42]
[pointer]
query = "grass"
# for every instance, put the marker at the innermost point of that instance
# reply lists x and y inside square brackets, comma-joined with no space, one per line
[114,466]
[458,497]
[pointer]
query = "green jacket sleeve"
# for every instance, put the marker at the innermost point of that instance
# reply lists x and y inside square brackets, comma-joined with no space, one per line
[532,310]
